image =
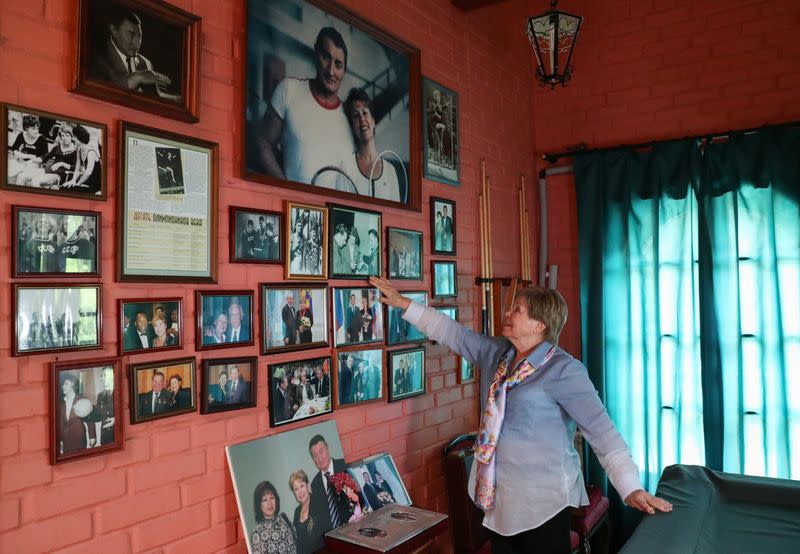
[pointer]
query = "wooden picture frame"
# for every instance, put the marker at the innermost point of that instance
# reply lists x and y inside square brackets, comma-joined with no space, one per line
[286,390]
[165,232]
[345,392]
[220,395]
[73,386]
[131,326]
[371,54]
[444,279]
[55,243]
[441,127]
[465,371]
[345,223]
[77,324]
[406,376]
[400,331]
[216,319]
[165,80]
[403,254]
[143,381]
[256,236]
[306,241]
[391,482]
[350,327]
[442,240]
[81,153]
[283,326]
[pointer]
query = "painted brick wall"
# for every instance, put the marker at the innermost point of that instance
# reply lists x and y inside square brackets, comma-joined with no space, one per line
[658,69]
[169,490]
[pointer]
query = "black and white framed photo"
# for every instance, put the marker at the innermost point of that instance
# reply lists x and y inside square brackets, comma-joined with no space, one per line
[400,331]
[52,318]
[340,129]
[148,324]
[466,370]
[306,241]
[85,409]
[404,253]
[357,316]
[52,242]
[294,317]
[300,389]
[443,226]
[441,160]
[359,377]
[379,481]
[355,245]
[444,277]
[162,389]
[256,236]
[224,318]
[406,373]
[143,54]
[53,154]
[228,384]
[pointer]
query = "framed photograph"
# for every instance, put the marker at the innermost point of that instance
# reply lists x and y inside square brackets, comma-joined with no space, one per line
[466,370]
[228,384]
[359,377]
[441,133]
[400,331]
[449,311]
[167,206]
[53,154]
[54,242]
[224,318]
[143,54]
[85,409]
[306,241]
[357,315]
[379,481]
[444,275]
[278,476]
[55,318]
[299,389]
[148,324]
[406,373]
[162,389]
[355,245]
[330,100]
[443,226]
[256,236]
[404,254]
[294,318]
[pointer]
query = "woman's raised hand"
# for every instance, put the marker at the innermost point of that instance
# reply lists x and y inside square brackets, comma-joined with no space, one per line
[389,294]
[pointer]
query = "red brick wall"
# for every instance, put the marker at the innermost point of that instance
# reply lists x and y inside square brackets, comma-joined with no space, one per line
[169,489]
[657,69]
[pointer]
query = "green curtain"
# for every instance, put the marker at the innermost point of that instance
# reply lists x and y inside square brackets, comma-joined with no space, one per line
[689,289]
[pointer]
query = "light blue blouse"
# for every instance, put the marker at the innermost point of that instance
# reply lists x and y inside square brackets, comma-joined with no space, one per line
[538,470]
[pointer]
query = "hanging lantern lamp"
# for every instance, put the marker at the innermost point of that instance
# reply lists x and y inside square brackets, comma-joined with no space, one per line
[553,35]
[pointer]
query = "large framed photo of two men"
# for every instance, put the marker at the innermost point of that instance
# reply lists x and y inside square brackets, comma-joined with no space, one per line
[228,384]
[143,54]
[294,318]
[331,101]
[299,390]
[162,389]
[355,248]
[441,133]
[85,409]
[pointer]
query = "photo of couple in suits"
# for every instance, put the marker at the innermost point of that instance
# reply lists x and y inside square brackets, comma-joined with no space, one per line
[228,384]
[150,325]
[226,319]
[163,389]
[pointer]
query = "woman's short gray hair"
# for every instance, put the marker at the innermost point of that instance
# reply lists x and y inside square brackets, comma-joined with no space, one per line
[547,306]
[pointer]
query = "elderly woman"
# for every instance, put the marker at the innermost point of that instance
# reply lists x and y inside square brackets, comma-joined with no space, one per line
[527,474]
[306,529]
[273,534]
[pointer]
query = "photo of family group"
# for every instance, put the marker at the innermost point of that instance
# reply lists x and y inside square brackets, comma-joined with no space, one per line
[55,242]
[299,390]
[358,316]
[355,242]
[162,389]
[359,376]
[294,318]
[150,324]
[227,384]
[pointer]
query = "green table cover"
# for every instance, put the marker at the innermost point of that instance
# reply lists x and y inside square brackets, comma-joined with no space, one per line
[715,512]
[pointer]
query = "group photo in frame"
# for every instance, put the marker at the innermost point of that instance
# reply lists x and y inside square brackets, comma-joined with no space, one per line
[167,233]
[440,125]
[51,242]
[256,236]
[406,373]
[443,226]
[306,241]
[404,254]
[52,318]
[143,54]
[148,324]
[355,243]
[380,481]
[228,384]
[53,154]
[357,316]
[85,409]
[294,317]
[330,100]
[224,318]
[359,377]
[162,389]
[444,279]
[299,389]
[400,331]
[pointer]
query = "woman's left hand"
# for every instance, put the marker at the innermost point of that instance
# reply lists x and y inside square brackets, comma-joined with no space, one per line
[646,502]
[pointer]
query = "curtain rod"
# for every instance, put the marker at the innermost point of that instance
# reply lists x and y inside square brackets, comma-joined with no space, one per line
[581,147]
